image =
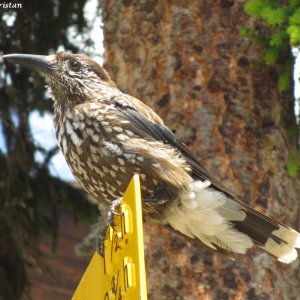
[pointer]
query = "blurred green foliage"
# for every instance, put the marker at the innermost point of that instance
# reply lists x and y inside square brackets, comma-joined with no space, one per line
[294,164]
[283,17]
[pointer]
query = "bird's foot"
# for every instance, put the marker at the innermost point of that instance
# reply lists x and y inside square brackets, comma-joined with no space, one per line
[100,240]
[112,211]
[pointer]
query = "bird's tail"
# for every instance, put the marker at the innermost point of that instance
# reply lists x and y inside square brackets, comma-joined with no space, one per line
[269,235]
[228,226]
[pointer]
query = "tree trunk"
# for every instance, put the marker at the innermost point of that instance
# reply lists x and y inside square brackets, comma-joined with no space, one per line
[187,60]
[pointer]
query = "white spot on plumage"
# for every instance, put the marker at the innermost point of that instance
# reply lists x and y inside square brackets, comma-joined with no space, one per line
[78,115]
[93,149]
[122,137]
[95,138]
[199,185]
[104,195]
[71,158]
[112,193]
[77,141]
[112,173]
[121,161]
[130,133]
[79,150]
[107,129]
[110,117]
[98,171]
[69,127]
[94,106]
[75,125]
[86,110]
[84,174]
[96,114]
[64,145]
[95,158]
[91,188]
[69,114]
[104,151]
[154,181]
[100,187]
[72,155]
[118,128]
[90,164]
[112,148]
[90,131]
[81,125]
[140,158]
[128,156]
[115,167]
[110,189]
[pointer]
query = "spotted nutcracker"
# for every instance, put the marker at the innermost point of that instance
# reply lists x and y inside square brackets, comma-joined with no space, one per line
[107,136]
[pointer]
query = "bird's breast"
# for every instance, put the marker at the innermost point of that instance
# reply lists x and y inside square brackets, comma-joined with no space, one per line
[97,160]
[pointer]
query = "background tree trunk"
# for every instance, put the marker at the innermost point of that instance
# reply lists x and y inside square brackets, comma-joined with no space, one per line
[187,60]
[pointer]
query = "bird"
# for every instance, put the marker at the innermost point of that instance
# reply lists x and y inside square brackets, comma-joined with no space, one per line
[107,136]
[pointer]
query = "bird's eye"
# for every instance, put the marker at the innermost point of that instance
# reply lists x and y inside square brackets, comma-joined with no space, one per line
[75,65]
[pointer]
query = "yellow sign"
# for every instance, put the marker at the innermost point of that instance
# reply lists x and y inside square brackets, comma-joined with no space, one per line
[120,273]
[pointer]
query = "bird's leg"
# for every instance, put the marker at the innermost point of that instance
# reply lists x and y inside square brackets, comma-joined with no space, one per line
[112,211]
[100,240]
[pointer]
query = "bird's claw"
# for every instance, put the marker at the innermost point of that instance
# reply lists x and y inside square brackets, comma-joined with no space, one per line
[100,240]
[113,211]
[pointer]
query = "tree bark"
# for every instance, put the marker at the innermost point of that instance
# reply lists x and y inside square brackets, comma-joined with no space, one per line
[187,60]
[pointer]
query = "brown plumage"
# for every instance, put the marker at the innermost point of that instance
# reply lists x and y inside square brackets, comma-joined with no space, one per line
[107,136]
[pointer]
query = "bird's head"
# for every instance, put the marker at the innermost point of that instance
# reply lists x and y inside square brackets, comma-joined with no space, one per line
[70,76]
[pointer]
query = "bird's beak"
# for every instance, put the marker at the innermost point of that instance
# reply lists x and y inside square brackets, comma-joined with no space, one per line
[39,63]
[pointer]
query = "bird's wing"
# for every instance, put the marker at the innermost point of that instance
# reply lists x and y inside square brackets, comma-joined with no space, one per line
[147,124]
[268,234]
